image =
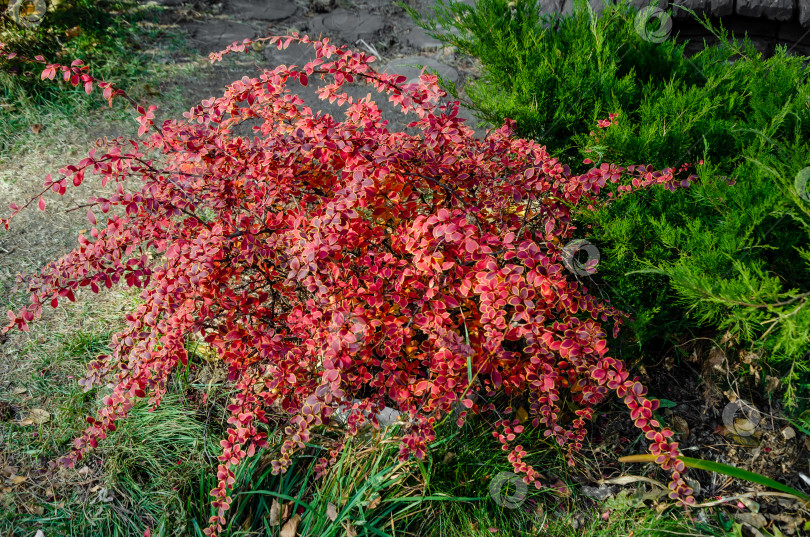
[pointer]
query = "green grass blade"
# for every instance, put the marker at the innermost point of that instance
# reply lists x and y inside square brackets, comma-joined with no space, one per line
[725,469]
[738,473]
[277,495]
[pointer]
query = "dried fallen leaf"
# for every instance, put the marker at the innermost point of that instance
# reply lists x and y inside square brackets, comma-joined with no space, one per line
[17,480]
[84,471]
[331,512]
[19,390]
[290,528]
[754,519]
[36,128]
[287,510]
[105,495]
[274,517]
[38,416]
[26,422]
[561,488]
[375,502]
[716,358]
[681,427]
[350,531]
[771,384]
[35,509]
[76,31]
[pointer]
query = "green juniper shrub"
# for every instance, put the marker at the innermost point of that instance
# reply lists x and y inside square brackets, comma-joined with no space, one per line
[555,77]
[728,256]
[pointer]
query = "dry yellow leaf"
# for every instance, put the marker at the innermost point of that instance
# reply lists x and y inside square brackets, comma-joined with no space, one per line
[350,531]
[35,509]
[17,480]
[375,502]
[522,415]
[38,416]
[290,528]
[274,517]
[287,510]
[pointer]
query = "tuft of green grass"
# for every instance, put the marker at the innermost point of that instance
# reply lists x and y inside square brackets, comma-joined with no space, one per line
[109,35]
[140,477]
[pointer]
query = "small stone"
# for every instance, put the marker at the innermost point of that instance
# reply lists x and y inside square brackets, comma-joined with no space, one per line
[263,10]
[788,433]
[804,12]
[217,35]
[346,25]
[388,416]
[551,8]
[721,8]
[419,39]
[780,10]
[296,54]
[599,493]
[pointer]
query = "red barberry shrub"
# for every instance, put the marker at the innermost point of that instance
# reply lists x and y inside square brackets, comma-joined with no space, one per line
[329,261]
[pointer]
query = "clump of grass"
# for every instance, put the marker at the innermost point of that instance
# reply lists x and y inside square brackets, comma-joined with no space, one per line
[103,33]
[368,491]
[141,478]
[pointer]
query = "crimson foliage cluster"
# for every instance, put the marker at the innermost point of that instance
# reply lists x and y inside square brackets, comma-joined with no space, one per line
[332,263]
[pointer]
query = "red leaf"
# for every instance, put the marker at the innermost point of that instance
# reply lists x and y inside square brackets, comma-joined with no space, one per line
[233,335]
